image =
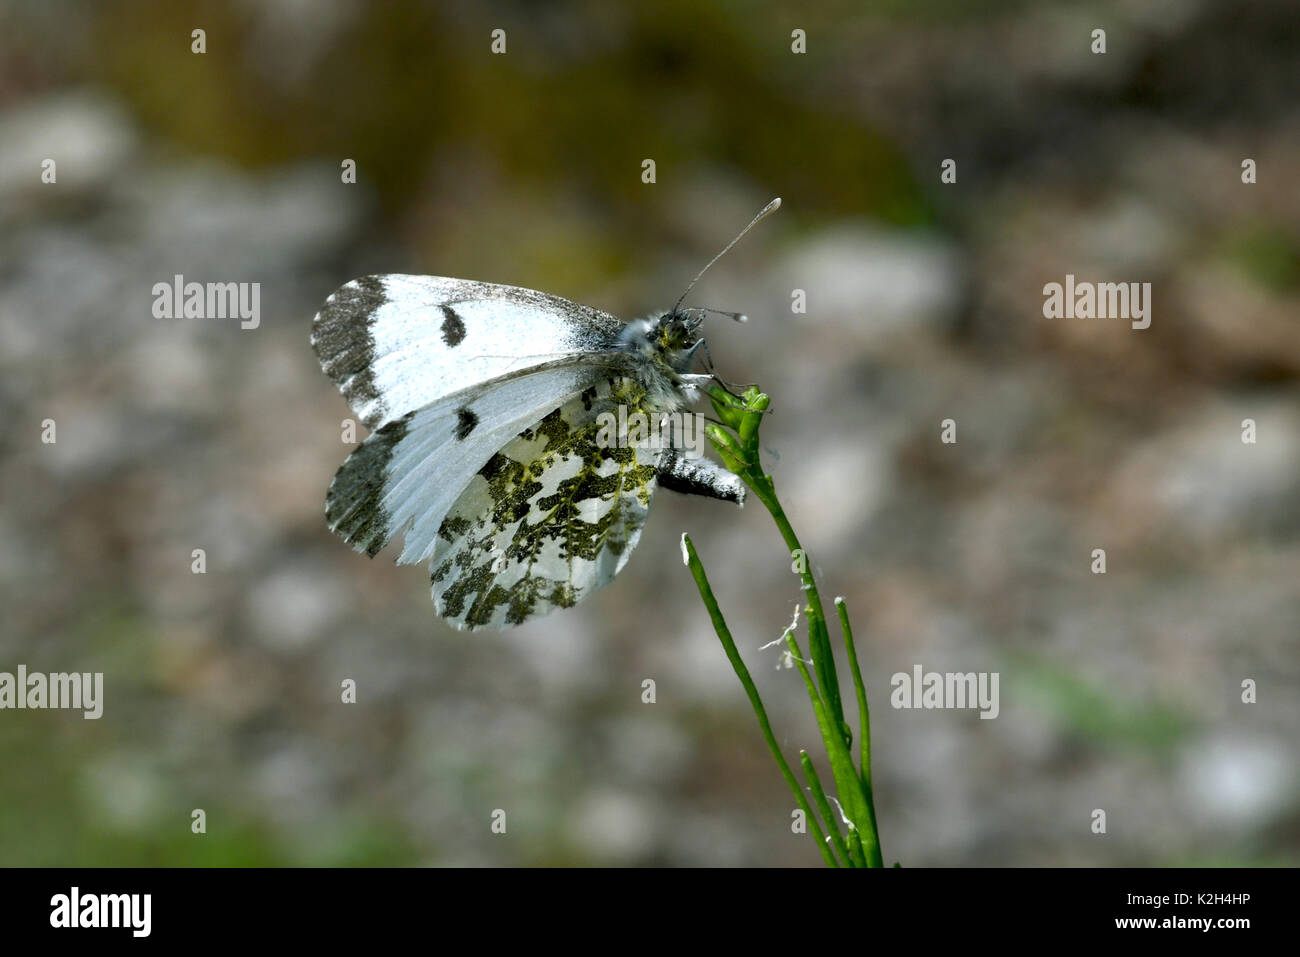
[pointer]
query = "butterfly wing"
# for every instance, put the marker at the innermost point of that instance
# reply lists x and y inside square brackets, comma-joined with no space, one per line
[549,518]
[394,343]
[406,474]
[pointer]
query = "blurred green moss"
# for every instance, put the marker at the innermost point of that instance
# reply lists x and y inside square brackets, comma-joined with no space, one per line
[1268,255]
[406,85]
[1095,714]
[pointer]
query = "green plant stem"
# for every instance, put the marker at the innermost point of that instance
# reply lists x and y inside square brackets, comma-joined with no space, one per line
[852,784]
[864,714]
[733,655]
[819,642]
[846,779]
[855,847]
[823,805]
[739,450]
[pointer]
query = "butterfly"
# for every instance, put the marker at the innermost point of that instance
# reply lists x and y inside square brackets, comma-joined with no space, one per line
[485,403]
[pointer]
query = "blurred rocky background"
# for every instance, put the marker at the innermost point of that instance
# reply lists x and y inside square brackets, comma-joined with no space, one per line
[222,691]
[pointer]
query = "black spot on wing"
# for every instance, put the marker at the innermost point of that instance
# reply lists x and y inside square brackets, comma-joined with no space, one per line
[353,504]
[341,336]
[466,420]
[589,329]
[453,327]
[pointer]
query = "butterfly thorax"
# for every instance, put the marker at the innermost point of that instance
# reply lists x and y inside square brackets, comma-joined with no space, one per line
[668,341]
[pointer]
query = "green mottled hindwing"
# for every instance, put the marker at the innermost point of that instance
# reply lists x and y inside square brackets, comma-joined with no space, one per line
[551,517]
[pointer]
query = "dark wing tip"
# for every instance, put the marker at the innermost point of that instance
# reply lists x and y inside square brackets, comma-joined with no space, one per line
[342,340]
[346,316]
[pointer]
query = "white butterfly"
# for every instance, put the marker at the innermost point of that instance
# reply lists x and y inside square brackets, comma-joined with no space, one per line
[484,402]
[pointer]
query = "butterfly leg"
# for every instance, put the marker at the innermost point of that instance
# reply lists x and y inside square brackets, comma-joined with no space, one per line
[731,388]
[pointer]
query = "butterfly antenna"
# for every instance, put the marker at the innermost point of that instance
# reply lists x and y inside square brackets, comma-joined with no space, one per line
[738,316]
[763,213]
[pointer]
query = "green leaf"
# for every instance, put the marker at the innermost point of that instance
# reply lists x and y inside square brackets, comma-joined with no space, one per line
[752,419]
[728,410]
[728,449]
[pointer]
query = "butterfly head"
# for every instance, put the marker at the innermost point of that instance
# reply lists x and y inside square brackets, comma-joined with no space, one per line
[668,340]
[676,336]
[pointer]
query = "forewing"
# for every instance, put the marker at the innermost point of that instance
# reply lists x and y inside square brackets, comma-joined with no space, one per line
[550,517]
[394,343]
